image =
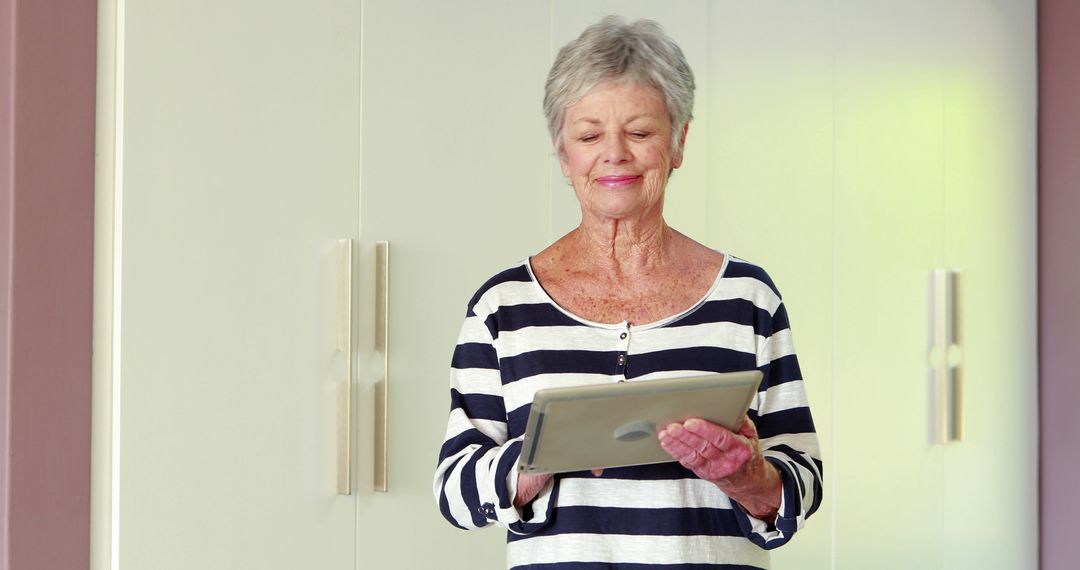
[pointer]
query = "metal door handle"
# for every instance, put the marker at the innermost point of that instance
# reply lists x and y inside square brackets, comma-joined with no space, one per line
[382,347]
[954,358]
[946,357]
[345,347]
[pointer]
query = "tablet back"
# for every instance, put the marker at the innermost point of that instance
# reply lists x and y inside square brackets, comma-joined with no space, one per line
[612,425]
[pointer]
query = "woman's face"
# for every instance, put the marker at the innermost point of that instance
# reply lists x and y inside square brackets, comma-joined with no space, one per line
[617,150]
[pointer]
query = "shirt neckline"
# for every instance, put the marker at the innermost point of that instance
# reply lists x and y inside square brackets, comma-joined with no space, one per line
[624,324]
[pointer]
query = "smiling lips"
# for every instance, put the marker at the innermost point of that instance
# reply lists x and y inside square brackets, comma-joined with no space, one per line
[617,181]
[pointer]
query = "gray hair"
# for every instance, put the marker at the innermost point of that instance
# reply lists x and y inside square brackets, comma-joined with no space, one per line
[612,50]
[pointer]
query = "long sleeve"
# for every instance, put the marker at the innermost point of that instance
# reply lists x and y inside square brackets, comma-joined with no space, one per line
[476,478]
[787,435]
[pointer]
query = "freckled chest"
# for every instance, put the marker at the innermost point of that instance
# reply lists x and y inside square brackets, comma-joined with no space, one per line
[640,300]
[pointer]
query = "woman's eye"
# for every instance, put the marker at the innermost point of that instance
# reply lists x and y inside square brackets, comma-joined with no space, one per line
[587,138]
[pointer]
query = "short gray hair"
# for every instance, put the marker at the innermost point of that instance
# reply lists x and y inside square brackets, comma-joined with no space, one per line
[612,50]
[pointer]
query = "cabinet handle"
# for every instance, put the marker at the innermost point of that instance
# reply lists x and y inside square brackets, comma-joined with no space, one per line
[345,347]
[954,357]
[382,348]
[946,357]
[939,324]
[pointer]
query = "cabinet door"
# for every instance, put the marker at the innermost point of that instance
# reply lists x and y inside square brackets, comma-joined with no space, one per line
[991,473]
[237,155]
[889,475]
[934,170]
[455,166]
[766,122]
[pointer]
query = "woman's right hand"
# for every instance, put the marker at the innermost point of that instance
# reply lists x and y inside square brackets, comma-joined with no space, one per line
[528,486]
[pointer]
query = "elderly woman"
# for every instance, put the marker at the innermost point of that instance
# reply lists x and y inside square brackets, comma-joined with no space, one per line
[622,298]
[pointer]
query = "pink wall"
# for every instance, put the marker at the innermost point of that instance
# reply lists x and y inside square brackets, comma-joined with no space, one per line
[46,215]
[1059,278]
[7,182]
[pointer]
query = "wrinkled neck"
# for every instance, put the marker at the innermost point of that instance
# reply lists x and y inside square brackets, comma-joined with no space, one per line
[623,246]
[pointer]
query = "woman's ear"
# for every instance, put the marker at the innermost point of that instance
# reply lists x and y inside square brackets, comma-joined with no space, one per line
[676,161]
[560,153]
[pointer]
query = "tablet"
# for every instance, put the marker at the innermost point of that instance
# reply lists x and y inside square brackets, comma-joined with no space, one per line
[614,425]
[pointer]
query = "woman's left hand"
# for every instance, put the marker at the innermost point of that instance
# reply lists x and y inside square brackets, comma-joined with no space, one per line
[732,461]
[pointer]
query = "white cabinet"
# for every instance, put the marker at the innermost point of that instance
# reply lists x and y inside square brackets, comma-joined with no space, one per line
[853,147]
[935,169]
[928,133]
[236,158]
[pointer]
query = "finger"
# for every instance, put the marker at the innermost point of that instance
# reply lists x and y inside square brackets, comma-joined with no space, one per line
[702,463]
[726,449]
[597,472]
[677,448]
[713,464]
[690,439]
[748,429]
[716,435]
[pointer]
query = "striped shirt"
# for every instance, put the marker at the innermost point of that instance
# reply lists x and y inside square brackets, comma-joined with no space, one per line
[517,340]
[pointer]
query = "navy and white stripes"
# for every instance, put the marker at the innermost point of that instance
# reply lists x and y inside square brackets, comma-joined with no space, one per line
[516,340]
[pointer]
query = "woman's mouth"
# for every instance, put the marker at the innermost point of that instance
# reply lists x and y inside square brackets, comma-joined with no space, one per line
[617,181]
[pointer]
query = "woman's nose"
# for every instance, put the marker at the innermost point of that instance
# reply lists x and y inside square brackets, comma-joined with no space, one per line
[616,150]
